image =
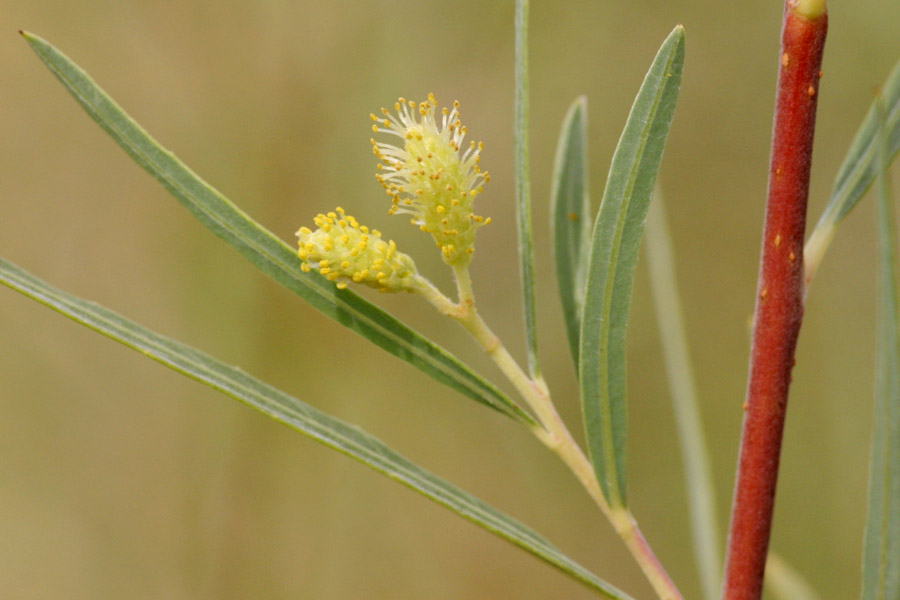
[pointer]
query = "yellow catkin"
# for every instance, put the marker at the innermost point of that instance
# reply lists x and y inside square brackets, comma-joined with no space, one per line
[428,178]
[341,249]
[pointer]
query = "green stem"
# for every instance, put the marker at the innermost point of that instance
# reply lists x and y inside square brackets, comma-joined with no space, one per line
[551,430]
[464,285]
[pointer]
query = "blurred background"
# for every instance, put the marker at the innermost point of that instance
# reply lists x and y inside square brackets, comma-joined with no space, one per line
[120,478]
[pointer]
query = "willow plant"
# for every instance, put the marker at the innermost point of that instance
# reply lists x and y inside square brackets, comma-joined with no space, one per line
[431,174]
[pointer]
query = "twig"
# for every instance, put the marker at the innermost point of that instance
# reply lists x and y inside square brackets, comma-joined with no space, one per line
[779,301]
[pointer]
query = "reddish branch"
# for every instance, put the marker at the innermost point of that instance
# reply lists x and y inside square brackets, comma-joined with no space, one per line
[779,300]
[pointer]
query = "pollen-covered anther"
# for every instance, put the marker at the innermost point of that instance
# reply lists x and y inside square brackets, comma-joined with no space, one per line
[423,166]
[341,249]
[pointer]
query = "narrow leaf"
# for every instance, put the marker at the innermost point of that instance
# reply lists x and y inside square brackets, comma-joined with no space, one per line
[694,450]
[881,550]
[860,166]
[570,214]
[323,428]
[264,249]
[523,186]
[614,253]
[858,170]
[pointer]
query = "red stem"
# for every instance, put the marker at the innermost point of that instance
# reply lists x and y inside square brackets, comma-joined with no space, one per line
[779,302]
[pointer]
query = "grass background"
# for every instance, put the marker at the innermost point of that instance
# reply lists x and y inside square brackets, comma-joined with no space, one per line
[119,478]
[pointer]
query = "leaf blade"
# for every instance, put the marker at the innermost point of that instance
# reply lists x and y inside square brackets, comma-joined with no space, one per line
[614,252]
[881,549]
[695,455]
[262,248]
[523,187]
[302,417]
[858,170]
[570,213]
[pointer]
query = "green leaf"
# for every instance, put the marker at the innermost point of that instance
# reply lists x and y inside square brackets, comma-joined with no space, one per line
[570,214]
[858,170]
[523,186]
[881,550]
[264,249]
[694,450]
[323,428]
[614,253]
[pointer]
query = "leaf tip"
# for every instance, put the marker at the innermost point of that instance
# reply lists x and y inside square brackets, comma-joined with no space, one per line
[29,37]
[676,36]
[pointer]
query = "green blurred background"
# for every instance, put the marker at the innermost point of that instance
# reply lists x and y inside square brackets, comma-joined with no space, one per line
[119,478]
